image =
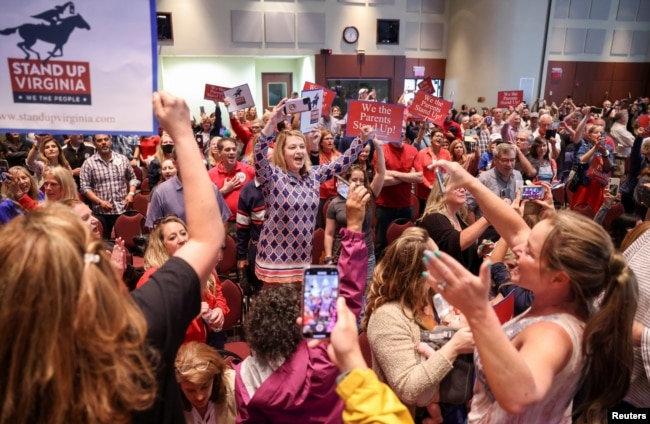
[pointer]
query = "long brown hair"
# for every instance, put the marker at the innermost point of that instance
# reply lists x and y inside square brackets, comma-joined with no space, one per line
[584,251]
[61,158]
[398,276]
[73,346]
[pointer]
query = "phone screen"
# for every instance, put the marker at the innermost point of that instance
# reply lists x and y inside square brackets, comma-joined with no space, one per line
[297,105]
[550,134]
[202,109]
[614,184]
[532,192]
[4,168]
[320,290]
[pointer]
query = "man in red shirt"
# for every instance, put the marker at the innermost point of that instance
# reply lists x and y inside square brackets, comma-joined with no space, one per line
[230,176]
[394,200]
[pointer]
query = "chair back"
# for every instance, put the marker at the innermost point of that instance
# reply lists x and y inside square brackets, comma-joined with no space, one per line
[138,172]
[144,186]
[229,258]
[234,298]
[128,226]
[415,202]
[318,246]
[141,203]
[614,212]
[396,228]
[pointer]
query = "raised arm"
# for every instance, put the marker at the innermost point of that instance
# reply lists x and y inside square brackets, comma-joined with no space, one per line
[380,169]
[580,129]
[206,234]
[506,220]
[262,163]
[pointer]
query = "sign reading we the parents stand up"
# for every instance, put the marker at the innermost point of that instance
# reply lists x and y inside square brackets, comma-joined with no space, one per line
[385,118]
[433,108]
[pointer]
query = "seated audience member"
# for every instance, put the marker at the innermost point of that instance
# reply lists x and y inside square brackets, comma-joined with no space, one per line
[639,160]
[169,235]
[207,385]
[291,186]
[367,400]
[284,381]
[567,261]
[101,343]
[395,314]
[444,220]
[164,151]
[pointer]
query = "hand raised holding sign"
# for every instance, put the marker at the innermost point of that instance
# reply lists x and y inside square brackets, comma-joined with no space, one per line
[276,117]
[367,132]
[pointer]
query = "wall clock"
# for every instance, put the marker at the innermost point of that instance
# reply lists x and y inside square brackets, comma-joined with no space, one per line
[350,34]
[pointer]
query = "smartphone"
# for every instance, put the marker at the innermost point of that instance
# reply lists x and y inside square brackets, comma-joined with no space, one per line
[202,110]
[4,169]
[550,134]
[297,105]
[597,110]
[341,179]
[439,180]
[488,120]
[532,192]
[614,184]
[319,292]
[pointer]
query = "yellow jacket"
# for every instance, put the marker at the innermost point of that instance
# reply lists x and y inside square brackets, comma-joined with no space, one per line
[367,400]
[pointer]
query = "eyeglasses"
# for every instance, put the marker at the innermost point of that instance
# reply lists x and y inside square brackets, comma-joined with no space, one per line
[187,368]
[255,127]
[522,138]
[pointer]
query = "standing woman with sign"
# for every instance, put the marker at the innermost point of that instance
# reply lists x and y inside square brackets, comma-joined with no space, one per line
[291,188]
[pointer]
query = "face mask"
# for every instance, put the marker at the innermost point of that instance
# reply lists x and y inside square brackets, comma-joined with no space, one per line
[167,148]
[342,190]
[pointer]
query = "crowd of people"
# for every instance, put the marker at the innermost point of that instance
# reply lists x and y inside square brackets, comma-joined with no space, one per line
[111,342]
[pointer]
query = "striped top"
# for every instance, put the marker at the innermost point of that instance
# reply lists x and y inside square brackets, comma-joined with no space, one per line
[285,244]
[637,258]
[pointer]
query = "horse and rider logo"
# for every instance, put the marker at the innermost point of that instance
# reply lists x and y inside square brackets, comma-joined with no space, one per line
[38,77]
[61,21]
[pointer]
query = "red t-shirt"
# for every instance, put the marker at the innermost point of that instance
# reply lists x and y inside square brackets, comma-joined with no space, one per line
[218,175]
[424,159]
[148,146]
[400,159]
[328,188]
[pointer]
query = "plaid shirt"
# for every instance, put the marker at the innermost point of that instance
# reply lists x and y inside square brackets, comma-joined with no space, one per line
[110,181]
[483,140]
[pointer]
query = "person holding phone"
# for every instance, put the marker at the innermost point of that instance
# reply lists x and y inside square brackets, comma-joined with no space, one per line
[284,380]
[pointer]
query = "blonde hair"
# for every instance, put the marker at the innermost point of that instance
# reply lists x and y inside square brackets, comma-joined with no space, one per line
[583,250]
[64,177]
[33,186]
[278,150]
[398,276]
[156,253]
[73,344]
[193,353]
[213,162]
[437,203]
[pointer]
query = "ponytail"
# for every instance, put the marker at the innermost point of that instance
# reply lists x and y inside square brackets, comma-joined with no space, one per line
[607,342]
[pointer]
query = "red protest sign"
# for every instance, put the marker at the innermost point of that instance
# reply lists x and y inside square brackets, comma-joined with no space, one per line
[385,118]
[214,92]
[328,96]
[426,85]
[433,108]
[510,98]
